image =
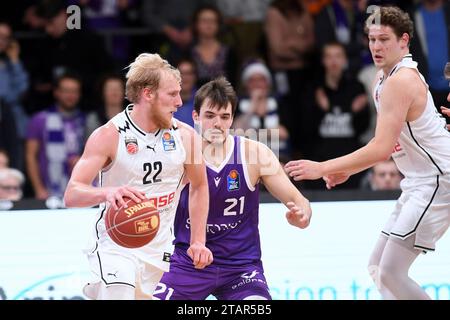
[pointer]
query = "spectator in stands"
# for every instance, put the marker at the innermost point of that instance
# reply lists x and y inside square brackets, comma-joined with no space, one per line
[55,140]
[385,176]
[9,139]
[290,37]
[258,109]
[112,101]
[13,77]
[11,181]
[13,84]
[341,111]
[106,15]
[188,90]
[212,57]
[63,51]
[244,21]
[431,45]
[4,159]
[171,19]
[343,21]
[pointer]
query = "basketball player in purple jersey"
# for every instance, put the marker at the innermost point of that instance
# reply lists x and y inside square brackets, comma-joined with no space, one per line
[235,166]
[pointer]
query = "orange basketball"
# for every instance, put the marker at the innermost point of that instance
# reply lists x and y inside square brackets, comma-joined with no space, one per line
[134,226]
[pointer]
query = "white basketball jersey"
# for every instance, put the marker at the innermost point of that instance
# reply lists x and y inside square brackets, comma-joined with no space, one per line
[423,148]
[152,163]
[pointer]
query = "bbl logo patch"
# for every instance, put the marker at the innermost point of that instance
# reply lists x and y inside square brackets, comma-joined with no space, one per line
[168,142]
[131,145]
[233,180]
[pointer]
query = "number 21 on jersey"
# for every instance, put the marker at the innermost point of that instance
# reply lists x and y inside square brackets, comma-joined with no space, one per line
[232,209]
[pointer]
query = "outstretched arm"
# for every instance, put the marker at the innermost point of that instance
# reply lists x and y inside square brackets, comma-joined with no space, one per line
[396,101]
[97,154]
[198,198]
[281,187]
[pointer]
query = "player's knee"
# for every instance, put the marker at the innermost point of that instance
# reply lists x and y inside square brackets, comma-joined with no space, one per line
[386,276]
[373,270]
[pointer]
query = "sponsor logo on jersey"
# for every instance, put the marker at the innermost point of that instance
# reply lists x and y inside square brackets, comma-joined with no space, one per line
[161,201]
[249,275]
[217,181]
[168,142]
[131,145]
[233,180]
[397,148]
[113,274]
[152,147]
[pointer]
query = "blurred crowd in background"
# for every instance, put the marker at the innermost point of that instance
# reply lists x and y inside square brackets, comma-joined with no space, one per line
[300,66]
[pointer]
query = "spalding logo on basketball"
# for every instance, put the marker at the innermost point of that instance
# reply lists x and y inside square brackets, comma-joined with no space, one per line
[134,226]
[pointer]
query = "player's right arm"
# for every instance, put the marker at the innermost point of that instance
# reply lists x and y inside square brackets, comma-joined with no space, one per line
[268,168]
[195,170]
[99,151]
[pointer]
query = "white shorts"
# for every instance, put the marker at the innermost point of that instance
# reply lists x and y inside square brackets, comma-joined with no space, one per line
[116,269]
[423,210]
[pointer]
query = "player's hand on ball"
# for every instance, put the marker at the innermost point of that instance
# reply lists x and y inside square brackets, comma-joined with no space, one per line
[201,256]
[115,195]
[298,217]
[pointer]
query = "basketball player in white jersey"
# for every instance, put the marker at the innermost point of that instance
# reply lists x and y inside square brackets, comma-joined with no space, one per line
[411,130]
[141,152]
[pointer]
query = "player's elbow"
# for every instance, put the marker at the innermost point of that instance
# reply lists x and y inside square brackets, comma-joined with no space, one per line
[69,198]
[385,155]
[382,151]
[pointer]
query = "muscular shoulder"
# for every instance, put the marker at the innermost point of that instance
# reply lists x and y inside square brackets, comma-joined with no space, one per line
[104,139]
[259,158]
[185,129]
[405,81]
[187,134]
[191,141]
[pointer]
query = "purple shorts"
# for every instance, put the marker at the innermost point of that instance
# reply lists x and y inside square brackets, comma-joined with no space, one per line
[184,282]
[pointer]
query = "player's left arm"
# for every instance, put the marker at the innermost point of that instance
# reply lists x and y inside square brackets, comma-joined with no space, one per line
[395,102]
[195,170]
[278,184]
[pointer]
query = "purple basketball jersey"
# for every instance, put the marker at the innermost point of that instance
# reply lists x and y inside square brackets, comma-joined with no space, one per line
[232,227]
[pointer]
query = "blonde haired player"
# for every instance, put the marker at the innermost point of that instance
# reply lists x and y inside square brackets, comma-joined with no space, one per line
[141,152]
[410,128]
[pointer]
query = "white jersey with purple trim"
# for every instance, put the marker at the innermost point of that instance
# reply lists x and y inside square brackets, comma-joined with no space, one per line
[152,163]
[423,148]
